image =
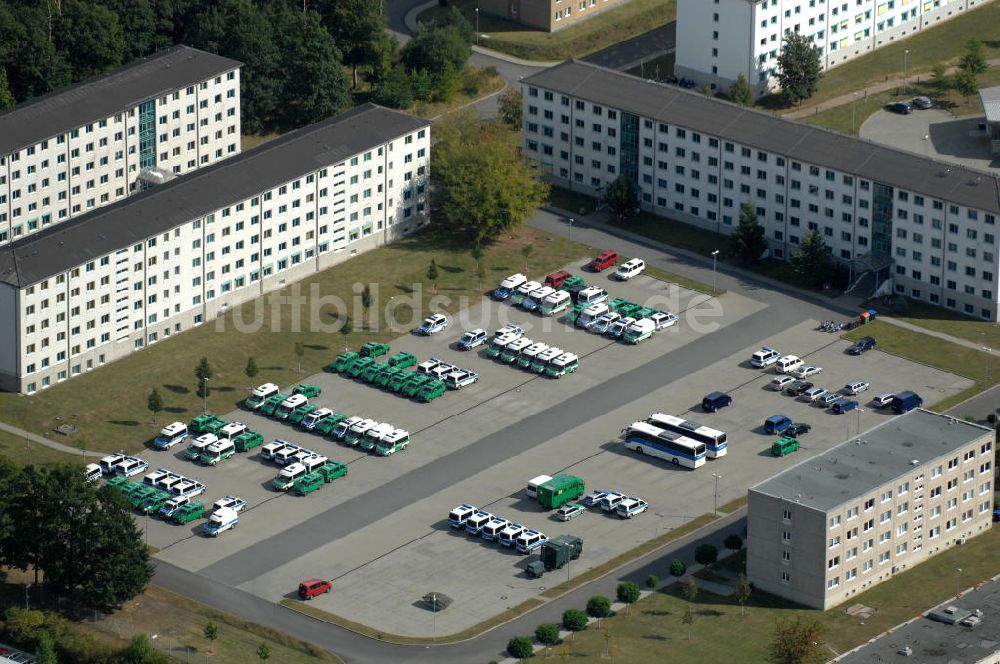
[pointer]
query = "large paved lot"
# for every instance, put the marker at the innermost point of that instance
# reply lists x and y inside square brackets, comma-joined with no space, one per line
[381,533]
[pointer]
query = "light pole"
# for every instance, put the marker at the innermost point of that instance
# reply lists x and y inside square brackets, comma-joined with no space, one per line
[717,477]
[715,256]
[434,597]
[854,104]
[958,581]
[477,25]
[204,394]
[989,353]
[26,586]
[906,53]
[571,220]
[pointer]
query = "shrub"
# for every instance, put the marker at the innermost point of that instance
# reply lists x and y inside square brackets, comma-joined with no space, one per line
[706,554]
[520,647]
[574,620]
[652,581]
[733,542]
[547,634]
[677,568]
[598,606]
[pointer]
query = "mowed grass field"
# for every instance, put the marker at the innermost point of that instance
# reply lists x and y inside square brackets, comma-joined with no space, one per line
[109,405]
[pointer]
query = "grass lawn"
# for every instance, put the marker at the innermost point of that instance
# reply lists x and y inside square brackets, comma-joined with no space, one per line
[676,233]
[944,44]
[720,634]
[476,84]
[609,27]
[933,352]
[953,323]
[571,201]
[108,405]
[15,447]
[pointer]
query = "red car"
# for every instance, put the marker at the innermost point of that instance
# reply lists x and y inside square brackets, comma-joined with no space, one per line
[312,587]
[556,279]
[604,260]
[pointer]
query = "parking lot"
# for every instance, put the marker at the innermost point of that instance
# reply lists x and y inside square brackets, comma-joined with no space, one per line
[461,452]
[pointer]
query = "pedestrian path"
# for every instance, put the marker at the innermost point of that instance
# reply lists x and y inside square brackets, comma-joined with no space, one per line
[871,89]
[59,447]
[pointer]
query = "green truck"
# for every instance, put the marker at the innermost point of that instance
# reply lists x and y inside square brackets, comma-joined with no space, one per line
[206,423]
[188,513]
[300,413]
[373,370]
[141,494]
[384,376]
[326,426]
[414,384]
[397,382]
[374,349]
[359,366]
[343,362]
[403,360]
[272,404]
[331,471]
[554,554]
[560,490]
[153,503]
[248,440]
[432,390]
[572,284]
[308,391]
[575,312]
[308,483]
[783,446]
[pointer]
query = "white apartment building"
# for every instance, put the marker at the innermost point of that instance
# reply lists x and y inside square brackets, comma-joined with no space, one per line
[839,523]
[86,145]
[108,283]
[929,226]
[719,39]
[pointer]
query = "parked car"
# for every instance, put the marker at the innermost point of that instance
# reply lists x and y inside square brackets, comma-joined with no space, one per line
[901,107]
[472,339]
[514,330]
[812,394]
[856,387]
[604,260]
[807,371]
[797,388]
[828,399]
[434,324]
[861,345]
[796,429]
[714,401]
[781,382]
[570,511]
[312,587]
[764,357]
[922,103]
[883,400]
[557,279]
[906,401]
[629,269]
[784,446]
[663,319]
[777,424]
[508,286]
[844,405]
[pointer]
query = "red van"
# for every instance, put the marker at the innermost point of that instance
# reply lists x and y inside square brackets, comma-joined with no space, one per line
[557,279]
[604,260]
[312,587]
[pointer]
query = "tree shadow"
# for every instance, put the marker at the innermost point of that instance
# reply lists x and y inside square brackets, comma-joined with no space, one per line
[175,409]
[711,613]
[222,388]
[176,389]
[403,288]
[124,423]
[452,269]
[500,268]
[655,637]
[316,347]
[657,612]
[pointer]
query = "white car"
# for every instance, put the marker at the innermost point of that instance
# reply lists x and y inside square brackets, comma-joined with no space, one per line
[765,357]
[234,503]
[883,400]
[856,387]
[630,507]
[604,321]
[617,329]
[629,269]
[516,331]
[663,319]
[781,382]
[806,371]
[434,324]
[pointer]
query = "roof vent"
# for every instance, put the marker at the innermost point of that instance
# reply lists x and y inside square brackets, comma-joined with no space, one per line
[843,476]
[914,462]
[907,443]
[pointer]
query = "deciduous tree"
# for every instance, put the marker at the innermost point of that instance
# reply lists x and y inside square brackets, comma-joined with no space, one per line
[677,568]
[203,372]
[687,619]
[6,97]
[574,620]
[263,652]
[548,635]
[973,59]
[154,402]
[740,91]
[366,302]
[966,83]
[432,273]
[251,369]
[743,591]
[395,90]
[211,632]
[520,647]
[319,88]
[733,542]
[706,554]
[691,590]
[799,68]
[354,25]
[510,107]
[91,37]
[811,262]
[747,241]
[620,198]
[599,607]
[797,641]
[300,350]
[652,582]
[628,593]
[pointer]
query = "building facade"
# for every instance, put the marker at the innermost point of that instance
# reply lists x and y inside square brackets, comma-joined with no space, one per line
[88,145]
[837,524]
[548,15]
[929,226]
[109,283]
[719,39]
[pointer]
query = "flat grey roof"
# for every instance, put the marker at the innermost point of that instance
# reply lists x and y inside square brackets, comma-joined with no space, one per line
[873,458]
[142,215]
[991,103]
[795,140]
[933,642]
[104,95]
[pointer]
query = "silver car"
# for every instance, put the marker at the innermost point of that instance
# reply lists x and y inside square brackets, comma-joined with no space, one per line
[812,394]
[828,399]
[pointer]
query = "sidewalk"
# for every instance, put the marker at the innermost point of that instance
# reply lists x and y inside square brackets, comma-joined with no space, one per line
[59,447]
[878,87]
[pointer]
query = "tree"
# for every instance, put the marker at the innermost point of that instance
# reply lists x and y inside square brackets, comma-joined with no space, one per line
[619,196]
[432,273]
[45,651]
[6,98]
[211,632]
[652,582]
[154,402]
[691,590]
[677,568]
[740,91]
[511,107]
[442,51]
[548,635]
[743,591]
[203,372]
[706,554]
[747,241]
[319,88]
[628,593]
[354,25]
[520,647]
[248,35]
[366,302]
[599,607]
[688,619]
[139,24]
[939,74]
[263,652]
[140,650]
[973,60]
[798,641]
[395,90]
[733,542]
[300,350]
[90,36]
[966,83]
[251,369]
[799,68]
[811,262]
[526,251]
[574,620]
[482,188]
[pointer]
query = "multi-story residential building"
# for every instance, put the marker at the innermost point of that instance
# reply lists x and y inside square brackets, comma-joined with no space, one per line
[98,287]
[839,523]
[719,39]
[87,145]
[548,15]
[930,226]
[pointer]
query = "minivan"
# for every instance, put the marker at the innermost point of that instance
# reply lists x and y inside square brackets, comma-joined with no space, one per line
[629,269]
[784,446]
[776,424]
[764,357]
[787,364]
[312,587]
[604,260]
[592,295]
[905,402]
[714,401]
[883,400]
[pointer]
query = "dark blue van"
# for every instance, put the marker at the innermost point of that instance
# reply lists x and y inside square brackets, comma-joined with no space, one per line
[714,401]
[905,402]
[777,424]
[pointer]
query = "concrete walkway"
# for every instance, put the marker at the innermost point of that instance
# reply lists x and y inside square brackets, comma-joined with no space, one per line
[872,89]
[59,447]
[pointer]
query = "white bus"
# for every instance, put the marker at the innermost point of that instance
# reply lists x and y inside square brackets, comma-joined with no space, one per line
[644,438]
[716,442]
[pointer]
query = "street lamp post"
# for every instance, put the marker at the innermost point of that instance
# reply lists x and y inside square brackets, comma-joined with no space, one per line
[854,105]
[26,586]
[477,26]
[906,53]
[717,477]
[204,394]
[715,256]
[571,220]
[989,353]
[958,581]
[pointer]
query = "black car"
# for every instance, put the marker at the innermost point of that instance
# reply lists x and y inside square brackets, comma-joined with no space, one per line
[901,107]
[796,429]
[863,344]
[798,387]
